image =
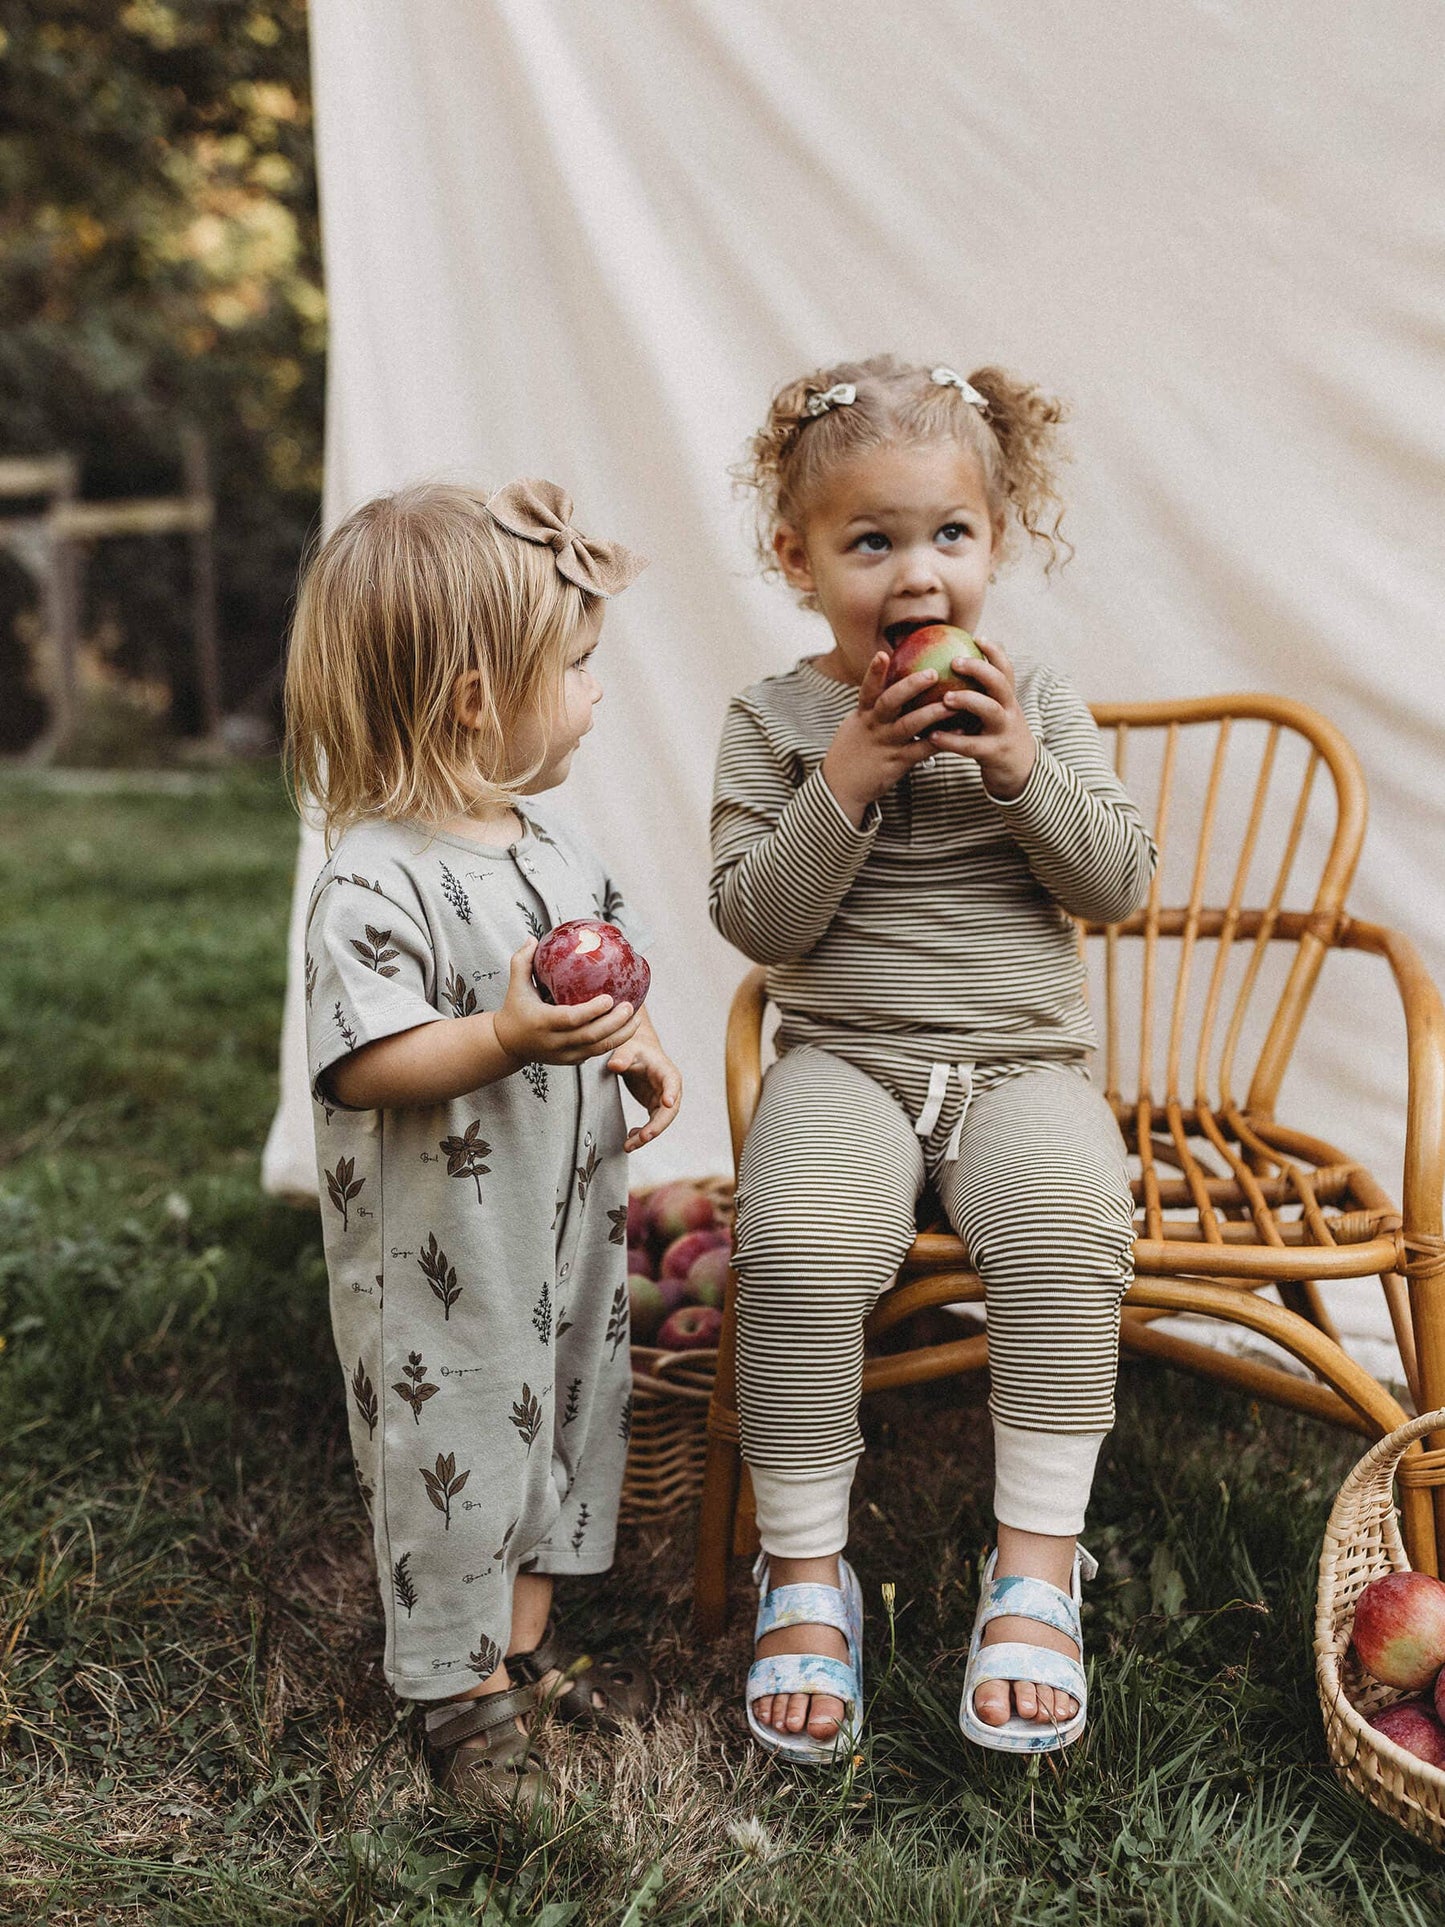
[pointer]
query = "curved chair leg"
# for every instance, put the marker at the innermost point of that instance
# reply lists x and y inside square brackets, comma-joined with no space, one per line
[1380,1412]
[717,1513]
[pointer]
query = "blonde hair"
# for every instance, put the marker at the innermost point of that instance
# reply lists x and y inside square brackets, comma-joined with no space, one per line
[1015,439]
[411,593]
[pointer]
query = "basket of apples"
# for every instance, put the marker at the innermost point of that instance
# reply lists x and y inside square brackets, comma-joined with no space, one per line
[1380,1646]
[679,1245]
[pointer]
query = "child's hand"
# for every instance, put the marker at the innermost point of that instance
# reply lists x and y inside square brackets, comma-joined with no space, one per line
[535,1032]
[1006,750]
[877,744]
[653,1079]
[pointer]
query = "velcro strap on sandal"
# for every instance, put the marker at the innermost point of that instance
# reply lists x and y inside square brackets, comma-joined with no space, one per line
[802,1673]
[1013,1661]
[460,1720]
[544,1657]
[1018,1597]
[803,1605]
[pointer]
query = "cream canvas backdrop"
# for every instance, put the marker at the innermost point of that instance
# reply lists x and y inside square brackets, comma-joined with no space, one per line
[587,241]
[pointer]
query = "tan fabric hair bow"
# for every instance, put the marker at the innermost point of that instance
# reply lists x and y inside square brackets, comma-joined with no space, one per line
[542,512]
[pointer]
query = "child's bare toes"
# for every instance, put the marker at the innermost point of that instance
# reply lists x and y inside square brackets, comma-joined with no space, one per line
[993,1702]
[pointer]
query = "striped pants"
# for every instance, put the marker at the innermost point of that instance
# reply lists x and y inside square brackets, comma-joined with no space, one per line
[1028,1162]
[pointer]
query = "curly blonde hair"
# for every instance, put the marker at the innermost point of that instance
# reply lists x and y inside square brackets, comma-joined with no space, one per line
[411,593]
[1016,441]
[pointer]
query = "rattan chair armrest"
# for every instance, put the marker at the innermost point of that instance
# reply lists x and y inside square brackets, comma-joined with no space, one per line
[745,1054]
[1424,1175]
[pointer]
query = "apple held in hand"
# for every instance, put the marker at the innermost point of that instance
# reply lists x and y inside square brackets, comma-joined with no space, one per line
[934,647]
[691,1328]
[587,958]
[1399,1629]
[1412,1725]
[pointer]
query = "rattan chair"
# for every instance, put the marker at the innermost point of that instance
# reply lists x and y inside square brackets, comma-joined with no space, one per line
[1199,996]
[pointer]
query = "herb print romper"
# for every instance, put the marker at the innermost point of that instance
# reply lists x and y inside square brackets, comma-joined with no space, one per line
[476,1249]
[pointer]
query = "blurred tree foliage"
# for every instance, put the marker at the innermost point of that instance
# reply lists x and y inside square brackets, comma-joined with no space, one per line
[160,263]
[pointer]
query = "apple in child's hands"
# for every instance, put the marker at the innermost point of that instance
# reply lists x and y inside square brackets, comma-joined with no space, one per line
[586,958]
[1412,1725]
[690,1328]
[934,647]
[1399,1629]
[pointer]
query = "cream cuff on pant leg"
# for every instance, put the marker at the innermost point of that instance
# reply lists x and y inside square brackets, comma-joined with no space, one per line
[803,1518]
[1042,1480]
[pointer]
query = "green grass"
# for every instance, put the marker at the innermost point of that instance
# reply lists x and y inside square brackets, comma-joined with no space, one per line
[192,1721]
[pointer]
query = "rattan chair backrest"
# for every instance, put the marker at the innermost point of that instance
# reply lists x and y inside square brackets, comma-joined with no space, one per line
[1258,806]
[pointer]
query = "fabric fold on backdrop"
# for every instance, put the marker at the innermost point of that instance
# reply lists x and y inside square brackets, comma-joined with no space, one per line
[557,246]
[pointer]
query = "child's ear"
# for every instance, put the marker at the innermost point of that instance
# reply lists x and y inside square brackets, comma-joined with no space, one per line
[792,554]
[467,699]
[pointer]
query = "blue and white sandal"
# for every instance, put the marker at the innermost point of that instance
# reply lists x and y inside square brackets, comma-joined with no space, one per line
[809,1605]
[1021,1598]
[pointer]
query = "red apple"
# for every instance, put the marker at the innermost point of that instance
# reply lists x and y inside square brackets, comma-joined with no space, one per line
[636,1218]
[1399,1629]
[639,1259]
[683,1252]
[651,1301]
[1412,1725]
[691,1328]
[678,1207]
[586,958]
[707,1281]
[1439,1695]
[934,647]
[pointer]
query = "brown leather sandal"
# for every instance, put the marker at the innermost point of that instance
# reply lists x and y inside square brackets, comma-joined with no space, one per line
[474,1746]
[624,1685]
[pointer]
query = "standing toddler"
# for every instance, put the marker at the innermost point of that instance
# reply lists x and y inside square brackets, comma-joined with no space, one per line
[470,1137]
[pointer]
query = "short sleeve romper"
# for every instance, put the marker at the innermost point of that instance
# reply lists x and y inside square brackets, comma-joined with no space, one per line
[476,1248]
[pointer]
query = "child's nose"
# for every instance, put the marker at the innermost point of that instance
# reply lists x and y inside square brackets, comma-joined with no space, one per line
[918,569]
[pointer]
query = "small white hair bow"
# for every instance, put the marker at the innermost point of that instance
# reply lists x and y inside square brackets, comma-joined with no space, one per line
[839,396]
[948,378]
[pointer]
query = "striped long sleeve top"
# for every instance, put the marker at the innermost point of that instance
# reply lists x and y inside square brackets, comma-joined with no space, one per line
[944,922]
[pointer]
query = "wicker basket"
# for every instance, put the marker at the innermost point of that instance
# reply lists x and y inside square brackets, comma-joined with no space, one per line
[1362,1542]
[670,1394]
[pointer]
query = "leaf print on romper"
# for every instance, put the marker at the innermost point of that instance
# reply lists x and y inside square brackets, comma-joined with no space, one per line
[618,1221]
[569,1410]
[533,922]
[460,995]
[441,1276]
[617,1320]
[542,1314]
[377,952]
[444,1483]
[486,1659]
[342,1189]
[456,896]
[587,1170]
[527,1416]
[584,1518]
[414,1386]
[311,976]
[403,1585]
[364,1392]
[464,1155]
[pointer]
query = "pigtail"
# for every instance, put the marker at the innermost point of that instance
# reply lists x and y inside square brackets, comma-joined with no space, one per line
[1025,423]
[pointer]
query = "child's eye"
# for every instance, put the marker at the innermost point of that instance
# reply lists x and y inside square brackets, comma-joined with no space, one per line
[873,543]
[952,532]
